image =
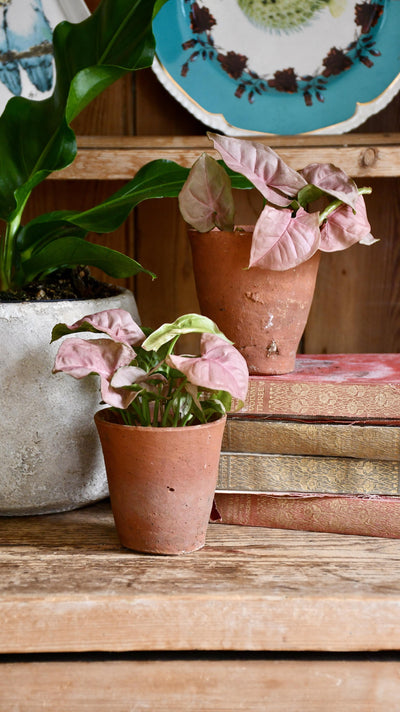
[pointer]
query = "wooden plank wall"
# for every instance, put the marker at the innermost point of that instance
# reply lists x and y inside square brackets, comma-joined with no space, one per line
[357,302]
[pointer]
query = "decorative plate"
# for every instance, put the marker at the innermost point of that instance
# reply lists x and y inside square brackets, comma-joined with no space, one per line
[26,53]
[279,66]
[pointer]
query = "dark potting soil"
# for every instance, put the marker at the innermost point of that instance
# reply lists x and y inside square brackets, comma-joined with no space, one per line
[71,284]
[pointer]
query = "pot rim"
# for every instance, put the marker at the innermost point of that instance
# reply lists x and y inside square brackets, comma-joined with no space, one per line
[101,416]
[237,230]
[55,303]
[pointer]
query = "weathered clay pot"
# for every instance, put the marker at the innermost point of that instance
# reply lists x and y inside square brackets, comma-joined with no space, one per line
[263,312]
[161,482]
[50,455]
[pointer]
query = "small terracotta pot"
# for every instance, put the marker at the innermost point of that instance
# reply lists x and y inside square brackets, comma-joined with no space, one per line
[264,312]
[161,481]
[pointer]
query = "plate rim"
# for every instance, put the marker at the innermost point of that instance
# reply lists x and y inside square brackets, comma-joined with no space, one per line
[217,120]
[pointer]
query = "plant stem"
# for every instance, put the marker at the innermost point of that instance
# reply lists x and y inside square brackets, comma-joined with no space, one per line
[6,257]
[7,244]
[336,203]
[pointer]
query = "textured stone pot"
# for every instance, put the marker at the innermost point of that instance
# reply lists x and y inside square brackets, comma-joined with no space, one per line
[264,312]
[50,457]
[162,482]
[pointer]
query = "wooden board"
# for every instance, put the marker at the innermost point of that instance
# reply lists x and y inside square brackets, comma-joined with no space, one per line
[201,686]
[67,585]
[116,158]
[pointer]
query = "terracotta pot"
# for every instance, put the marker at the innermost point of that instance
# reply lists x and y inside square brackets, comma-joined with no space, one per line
[161,482]
[263,312]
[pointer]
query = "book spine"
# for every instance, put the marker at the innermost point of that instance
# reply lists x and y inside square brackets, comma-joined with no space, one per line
[304,473]
[321,399]
[373,442]
[375,516]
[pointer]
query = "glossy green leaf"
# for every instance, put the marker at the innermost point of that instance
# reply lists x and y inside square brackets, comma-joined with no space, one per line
[35,138]
[157,179]
[70,252]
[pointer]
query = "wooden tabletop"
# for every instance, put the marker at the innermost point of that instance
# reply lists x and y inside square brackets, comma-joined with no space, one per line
[67,585]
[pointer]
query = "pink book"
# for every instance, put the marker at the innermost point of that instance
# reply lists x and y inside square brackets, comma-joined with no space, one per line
[349,386]
[376,515]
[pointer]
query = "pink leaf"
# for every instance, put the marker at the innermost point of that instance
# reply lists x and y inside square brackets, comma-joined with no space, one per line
[332,180]
[281,241]
[220,367]
[206,200]
[79,358]
[343,228]
[117,323]
[262,166]
[129,375]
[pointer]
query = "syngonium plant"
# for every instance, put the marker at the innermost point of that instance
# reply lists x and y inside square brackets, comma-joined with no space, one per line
[316,208]
[36,139]
[141,377]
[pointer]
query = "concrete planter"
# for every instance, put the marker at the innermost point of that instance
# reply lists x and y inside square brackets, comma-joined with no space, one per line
[50,455]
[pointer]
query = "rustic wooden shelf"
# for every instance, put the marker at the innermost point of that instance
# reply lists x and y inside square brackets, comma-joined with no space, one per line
[261,604]
[67,585]
[118,158]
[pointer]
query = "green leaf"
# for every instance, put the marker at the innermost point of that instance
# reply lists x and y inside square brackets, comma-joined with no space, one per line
[186,324]
[42,231]
[156,179]
[308,194]
[35,138]
[70,252]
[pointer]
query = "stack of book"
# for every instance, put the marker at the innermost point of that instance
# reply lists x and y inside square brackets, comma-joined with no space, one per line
[317,449]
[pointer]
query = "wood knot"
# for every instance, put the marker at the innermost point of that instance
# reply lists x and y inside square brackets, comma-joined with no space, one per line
[369,157]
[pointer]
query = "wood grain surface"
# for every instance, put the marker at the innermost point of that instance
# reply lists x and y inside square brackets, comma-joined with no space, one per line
[113,157]
[201,686]
[67,585]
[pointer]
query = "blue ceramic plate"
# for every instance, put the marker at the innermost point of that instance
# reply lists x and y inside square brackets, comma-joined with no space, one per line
[26,57]
[279,66]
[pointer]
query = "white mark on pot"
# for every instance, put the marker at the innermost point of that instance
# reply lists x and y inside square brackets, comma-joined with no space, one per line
[270,322]
[272,348]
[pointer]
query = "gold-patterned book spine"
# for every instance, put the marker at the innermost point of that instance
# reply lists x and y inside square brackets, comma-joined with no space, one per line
[285,437]
[355,400]
[330,385]
[250,472]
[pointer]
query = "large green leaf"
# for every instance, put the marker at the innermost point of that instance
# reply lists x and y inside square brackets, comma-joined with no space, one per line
[72,251]
[157,179]
[51,236]
[35,138]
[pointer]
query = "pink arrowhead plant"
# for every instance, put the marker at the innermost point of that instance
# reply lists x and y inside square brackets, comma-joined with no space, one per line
[290,229]
[151,385]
